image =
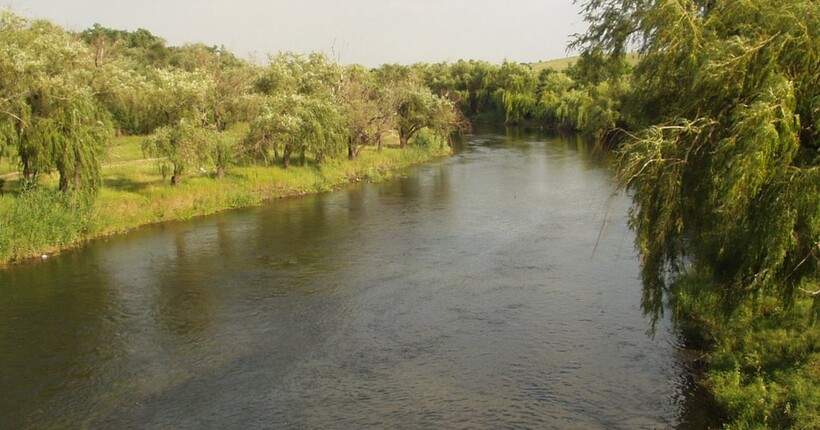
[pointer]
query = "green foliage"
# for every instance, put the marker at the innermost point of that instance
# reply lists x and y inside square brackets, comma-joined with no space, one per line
[288,73]
[48,116]
[725,181]
[552,86]
[426,138]
[514,93]
[416,107]
[139,48]
[729,173]
[368,108]
[183,144]
[517,85]
[42,220]
[593,68]
[231,79]
[297,110]
[764,361]
[473,84]
[222,154]
[295,123]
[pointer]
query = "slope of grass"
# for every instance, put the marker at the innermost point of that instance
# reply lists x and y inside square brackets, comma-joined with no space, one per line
[134,193]
[561,64]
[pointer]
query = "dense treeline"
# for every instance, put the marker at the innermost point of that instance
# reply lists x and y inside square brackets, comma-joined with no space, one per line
[723,164]
[226,127]
[585,97]
[64,95]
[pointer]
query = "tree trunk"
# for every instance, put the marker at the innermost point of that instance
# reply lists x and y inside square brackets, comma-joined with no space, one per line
[220,172]
[380,143]
[176,177]
[403,139]
[304,158]
[286,156]
[220,126]
[473,103]
[29,172]
[351,154]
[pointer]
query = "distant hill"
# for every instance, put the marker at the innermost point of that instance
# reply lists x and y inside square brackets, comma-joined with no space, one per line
[561,64]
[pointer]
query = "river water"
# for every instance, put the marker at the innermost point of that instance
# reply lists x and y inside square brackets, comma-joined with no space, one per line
[497,288]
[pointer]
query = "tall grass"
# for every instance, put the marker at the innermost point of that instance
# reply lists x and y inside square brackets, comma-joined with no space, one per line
[43,220]
[763,360]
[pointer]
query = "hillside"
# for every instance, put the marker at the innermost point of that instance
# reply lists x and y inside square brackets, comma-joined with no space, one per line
[561,64]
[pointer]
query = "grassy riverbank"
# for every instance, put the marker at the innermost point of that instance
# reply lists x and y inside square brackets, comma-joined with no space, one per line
[761,362]
[134,193]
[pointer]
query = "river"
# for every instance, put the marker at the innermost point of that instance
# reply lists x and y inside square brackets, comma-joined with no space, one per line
[497,288]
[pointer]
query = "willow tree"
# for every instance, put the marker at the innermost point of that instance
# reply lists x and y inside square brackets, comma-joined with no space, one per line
[182,98]
[49,118]
[517,90]
[297,111]
[474,83]
[552,86]
[725,171]
[295,123]
[185,143]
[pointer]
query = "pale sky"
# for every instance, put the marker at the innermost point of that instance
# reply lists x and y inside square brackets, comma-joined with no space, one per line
[369,32]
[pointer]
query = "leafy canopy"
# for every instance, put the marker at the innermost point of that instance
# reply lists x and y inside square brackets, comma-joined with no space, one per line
[49,118]
[724,170]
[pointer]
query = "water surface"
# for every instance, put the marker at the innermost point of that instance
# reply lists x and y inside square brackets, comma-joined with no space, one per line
[494,289]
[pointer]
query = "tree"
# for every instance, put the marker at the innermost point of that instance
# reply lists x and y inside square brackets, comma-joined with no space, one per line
[297,109]
[222,153]
[418,108]
[182,144]
[474,83]
[517,86]
[231,79]
[552,86]
[48,114]
[181,99]
[295,124]
[725,172]
[368,109]
[593,68]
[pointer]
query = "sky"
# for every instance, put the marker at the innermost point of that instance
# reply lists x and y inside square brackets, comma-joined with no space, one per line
[368,32]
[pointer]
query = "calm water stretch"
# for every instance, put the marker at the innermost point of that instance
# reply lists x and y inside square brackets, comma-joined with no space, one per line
[494,289]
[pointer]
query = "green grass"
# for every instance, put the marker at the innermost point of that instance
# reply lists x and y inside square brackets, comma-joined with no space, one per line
[125,149]
[762,361]
[134,193]
[6,167]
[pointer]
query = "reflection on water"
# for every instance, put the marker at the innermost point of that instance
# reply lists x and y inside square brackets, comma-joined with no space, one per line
[466,294]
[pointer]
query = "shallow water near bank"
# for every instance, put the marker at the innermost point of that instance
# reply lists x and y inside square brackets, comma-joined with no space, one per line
[496,288]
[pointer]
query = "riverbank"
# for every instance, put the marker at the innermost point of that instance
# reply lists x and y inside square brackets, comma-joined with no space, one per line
[761,363]
[135,193]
